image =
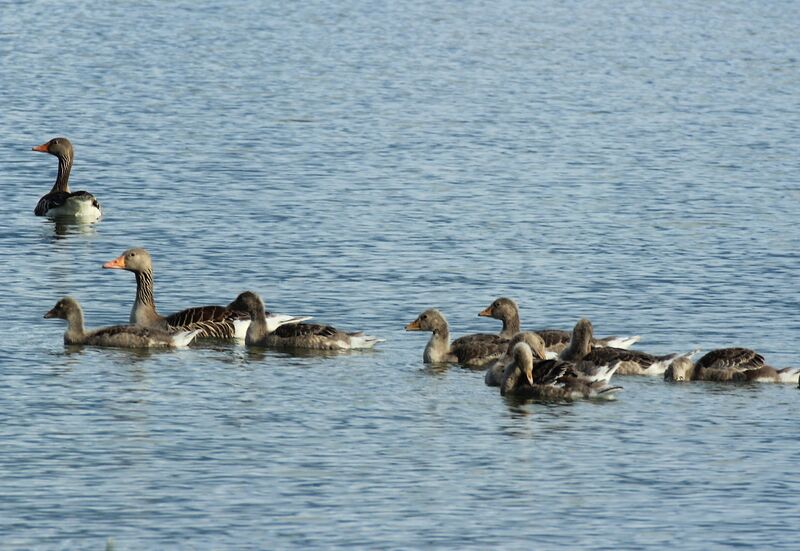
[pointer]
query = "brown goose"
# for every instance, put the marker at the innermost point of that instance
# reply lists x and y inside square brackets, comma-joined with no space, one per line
[551,380]
[631,362]
[117,336]
[296,336]
[555,340]
[221,322]
[730,365]
[474,351]
[60,202]
[494,375]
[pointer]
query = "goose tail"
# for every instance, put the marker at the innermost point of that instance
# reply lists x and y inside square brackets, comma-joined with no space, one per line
[623,342]
[364,341]
[183,338]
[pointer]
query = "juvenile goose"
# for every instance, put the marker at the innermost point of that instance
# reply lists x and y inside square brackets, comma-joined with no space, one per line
[60,202]
[555,340]
[474,351]
[494,375]
[631,362]
[118,336]
[298,336]
[221,322]
[551,379]
[730,365]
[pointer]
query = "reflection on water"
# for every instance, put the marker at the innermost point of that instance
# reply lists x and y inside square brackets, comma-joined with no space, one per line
[359,166]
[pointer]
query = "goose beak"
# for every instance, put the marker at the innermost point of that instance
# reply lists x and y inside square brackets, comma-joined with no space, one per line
[42,148]
[413,326]
[50,314]
[117,263]
[486,313]
[529,376]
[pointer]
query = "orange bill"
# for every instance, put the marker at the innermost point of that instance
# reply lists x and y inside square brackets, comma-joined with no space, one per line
[413,326]
[118,263]
[42,148]
[486,313]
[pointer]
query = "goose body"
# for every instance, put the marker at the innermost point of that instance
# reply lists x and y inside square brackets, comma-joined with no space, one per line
[60,202]
[220,322]
[307,336]
[555,340]
[551,380]
[494,374]
[631,362]
[117,336]
[730,365]
[473,351]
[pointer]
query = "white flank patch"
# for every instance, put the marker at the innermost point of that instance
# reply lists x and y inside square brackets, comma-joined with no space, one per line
[76,207]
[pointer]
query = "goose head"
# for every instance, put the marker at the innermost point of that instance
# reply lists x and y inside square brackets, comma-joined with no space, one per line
[60,147]
[523,359]
[65,309]
[248,302]
[533,340]
[430,320]
[502,309]
[133,260]
[582,333]
[679,370]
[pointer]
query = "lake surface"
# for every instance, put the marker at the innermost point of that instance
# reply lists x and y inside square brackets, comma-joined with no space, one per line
[632,162]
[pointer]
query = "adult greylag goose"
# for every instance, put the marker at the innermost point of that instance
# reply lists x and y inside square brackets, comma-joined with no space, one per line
[220,322]
[631,362]
[61,202]
[555,340]
[494,375]
[725,365]
[474,351]
[307,336]
[117,336]
[551,380]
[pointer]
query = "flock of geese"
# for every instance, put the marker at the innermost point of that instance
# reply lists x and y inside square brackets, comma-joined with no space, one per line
[548,364]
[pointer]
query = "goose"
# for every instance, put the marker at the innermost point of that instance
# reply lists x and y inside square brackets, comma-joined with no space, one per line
[117,336]
[555,340]
[631,362]
[730,365]
[473,351]
[60,202]
[298,335]
[221,322]
[551,380]
[494,375]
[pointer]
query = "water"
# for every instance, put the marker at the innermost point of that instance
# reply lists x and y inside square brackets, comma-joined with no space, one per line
[635,163]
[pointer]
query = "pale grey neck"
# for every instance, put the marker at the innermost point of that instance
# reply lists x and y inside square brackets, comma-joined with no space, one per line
[576,350]
[64,168]
[510,326]
[75,328]
[438,348]
[257,330]
[144,311]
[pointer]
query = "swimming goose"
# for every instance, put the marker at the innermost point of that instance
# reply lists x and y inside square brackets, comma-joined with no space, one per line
[221,322]
[494,375]
[550,379]
[555,340]
[730,365]
[631,362]
[60,202]
[297,336]
[117,336]
[474,351]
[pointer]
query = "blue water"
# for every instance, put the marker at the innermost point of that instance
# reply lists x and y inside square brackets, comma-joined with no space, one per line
[633,162]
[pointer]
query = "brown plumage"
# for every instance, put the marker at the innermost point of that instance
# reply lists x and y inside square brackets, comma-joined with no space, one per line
[555,340]
[473,351]
[60,202]
[118,336]
[494,374]
[552,380]
[723,365]
[631,362]
[307,336]
[222,322]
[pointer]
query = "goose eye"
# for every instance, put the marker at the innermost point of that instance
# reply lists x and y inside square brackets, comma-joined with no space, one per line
[423,317]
